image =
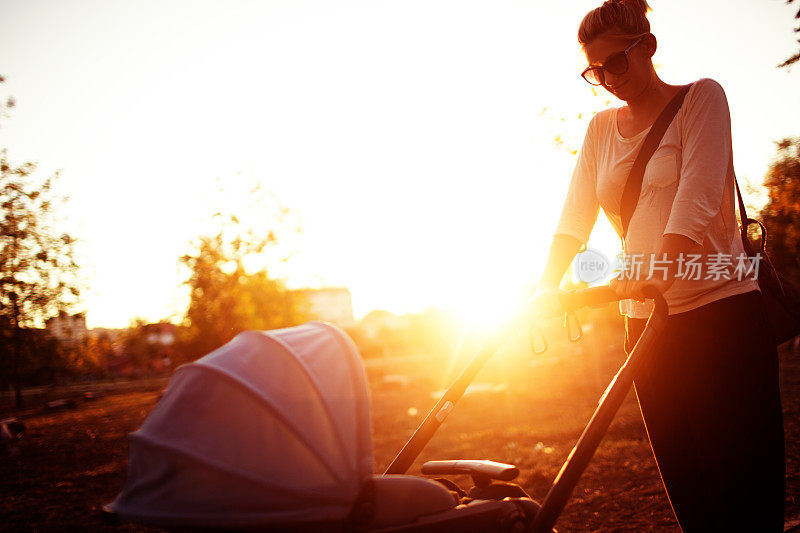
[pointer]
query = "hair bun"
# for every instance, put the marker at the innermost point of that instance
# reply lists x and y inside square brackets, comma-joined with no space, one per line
[622,17]
[640,5]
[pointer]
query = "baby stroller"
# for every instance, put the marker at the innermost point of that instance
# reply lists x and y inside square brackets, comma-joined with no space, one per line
[271,432]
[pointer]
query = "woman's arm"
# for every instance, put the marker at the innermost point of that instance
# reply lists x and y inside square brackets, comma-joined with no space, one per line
[578,215]
[706,159]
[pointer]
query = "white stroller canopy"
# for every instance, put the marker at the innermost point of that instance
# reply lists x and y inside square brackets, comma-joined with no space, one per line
[273,427]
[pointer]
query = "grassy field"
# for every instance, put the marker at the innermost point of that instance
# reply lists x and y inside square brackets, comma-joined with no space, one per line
[525,410]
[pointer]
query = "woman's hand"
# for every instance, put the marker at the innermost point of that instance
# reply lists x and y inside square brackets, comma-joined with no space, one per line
[632,288]
[545,304]
[671,247]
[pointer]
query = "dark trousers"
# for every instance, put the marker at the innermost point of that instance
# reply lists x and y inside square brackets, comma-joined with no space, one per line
[710,400]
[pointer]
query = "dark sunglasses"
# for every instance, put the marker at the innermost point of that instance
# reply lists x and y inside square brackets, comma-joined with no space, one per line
[616,63]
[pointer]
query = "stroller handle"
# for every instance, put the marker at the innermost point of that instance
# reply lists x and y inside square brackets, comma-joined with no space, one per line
[603,294]
[591,297]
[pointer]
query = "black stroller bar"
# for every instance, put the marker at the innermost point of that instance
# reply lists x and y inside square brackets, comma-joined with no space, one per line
[445,405]
[609,404]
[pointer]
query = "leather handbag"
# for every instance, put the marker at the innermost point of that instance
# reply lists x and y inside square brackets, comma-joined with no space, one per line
[781,296]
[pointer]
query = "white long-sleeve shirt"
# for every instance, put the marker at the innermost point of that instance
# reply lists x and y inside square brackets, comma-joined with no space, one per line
[687,189]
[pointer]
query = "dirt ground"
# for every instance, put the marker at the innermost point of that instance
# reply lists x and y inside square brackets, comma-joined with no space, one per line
[523,411]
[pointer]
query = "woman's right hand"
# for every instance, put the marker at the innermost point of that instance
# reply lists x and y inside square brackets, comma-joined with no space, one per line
[545,304]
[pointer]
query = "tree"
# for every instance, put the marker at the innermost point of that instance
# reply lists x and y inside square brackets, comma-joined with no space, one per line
[795,57]
[139,348]
[38,275]
[8,104]
[95,355]
[781,214]
[226,297]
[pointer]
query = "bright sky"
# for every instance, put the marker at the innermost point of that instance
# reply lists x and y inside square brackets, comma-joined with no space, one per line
[410,137]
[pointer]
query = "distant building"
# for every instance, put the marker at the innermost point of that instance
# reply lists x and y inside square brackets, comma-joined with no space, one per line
[67,329]
[376,323]
[161,333]
[332,304]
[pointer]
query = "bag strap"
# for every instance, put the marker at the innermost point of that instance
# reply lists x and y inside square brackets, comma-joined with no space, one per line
[633,186]
[745,223]
[742,217]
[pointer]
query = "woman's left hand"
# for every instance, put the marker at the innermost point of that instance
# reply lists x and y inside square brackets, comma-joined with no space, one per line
[632,288]
[671,246]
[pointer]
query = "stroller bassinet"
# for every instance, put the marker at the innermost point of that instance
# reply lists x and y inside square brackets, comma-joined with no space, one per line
[272,432]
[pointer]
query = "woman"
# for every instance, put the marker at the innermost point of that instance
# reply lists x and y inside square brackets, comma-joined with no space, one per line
[710,400]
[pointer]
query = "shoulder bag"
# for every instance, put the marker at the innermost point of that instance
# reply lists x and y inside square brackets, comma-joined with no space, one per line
[781,296]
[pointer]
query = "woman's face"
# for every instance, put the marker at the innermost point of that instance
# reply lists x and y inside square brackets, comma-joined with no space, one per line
[635,79]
